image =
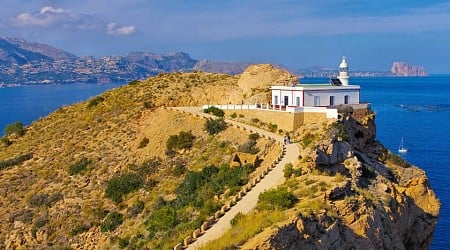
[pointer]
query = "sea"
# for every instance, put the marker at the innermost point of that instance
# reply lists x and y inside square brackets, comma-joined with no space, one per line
[416,109]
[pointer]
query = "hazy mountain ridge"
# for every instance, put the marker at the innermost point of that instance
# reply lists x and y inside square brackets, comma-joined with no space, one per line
[27,63]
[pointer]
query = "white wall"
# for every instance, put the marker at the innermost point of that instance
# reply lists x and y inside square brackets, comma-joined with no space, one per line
[324,96]
[291,95]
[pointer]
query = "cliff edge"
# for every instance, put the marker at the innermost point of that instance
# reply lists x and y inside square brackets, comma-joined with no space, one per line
[365,197]
[404,69]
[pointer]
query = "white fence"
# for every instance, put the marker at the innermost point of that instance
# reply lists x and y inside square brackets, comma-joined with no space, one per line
[330,112]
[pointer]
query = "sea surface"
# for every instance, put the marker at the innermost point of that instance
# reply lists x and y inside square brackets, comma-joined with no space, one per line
[415,108]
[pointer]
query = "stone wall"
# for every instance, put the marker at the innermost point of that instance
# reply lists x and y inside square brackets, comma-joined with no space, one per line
[284,120]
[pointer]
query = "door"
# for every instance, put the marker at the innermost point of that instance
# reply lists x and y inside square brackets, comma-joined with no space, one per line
[346,99]
[297,101]
[331,100]
[286,100]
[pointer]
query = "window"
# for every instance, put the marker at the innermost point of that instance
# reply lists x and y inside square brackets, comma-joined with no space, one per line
[275,100]
[316,101]
[297,101]
[331,100]
[346,98]
[286,100]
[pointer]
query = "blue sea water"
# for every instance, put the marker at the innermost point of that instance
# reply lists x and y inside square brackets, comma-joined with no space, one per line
[415,108]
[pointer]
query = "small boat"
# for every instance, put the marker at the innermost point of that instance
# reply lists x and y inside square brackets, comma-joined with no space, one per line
[401,148]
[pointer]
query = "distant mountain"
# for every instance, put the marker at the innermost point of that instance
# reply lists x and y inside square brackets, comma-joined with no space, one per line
[27,63]
[23,62]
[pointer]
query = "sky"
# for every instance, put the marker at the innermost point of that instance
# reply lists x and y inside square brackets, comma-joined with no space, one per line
[295,33]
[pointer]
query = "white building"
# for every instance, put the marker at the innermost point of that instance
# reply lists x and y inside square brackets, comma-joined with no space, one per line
[337,92]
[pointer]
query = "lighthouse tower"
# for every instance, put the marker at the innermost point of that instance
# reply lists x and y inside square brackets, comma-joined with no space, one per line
[343,72]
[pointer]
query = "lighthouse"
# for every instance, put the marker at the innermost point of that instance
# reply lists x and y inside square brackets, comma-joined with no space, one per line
[343,72]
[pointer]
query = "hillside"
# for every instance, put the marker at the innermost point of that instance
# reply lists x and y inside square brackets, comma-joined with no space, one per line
[121,170]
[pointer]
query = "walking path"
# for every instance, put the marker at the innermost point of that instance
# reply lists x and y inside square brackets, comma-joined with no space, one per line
[248,202]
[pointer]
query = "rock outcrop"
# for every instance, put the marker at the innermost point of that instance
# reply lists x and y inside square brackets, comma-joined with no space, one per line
[379,205]
[404,69]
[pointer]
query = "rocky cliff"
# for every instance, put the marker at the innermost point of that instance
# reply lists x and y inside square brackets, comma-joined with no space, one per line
[404,69]
[375,201]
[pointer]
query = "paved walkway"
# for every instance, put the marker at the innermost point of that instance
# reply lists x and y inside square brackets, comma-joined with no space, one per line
[248,202]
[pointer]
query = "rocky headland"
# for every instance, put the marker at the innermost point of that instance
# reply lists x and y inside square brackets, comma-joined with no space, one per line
[404,69]
[122,171]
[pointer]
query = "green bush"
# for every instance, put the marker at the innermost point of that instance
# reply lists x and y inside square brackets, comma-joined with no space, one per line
[5,141]
[15,128]
[122,185]
[111,222]
[288,170]
[214,126]
[162,219]
[215,111]
[233,115]
[307,140]
[79,166]
[276,198]
[143,142]
[95,101]
[15,161]
[184,140]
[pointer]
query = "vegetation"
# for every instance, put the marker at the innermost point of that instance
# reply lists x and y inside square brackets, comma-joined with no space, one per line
[215,111]
[111,222]
[233,115]
[16,129]
[288,170]
[95,101]
[397,160]
[5,141]
[279,198]
[307,140]
[79,166]
[338,129]
[249,147]
[121,185]
[46,200]
[183,140]
[245,228]
[143,142]
[15,161]
[214,126]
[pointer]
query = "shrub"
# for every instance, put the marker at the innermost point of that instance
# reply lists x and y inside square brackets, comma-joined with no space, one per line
[162,219]
[233,115]
[276,198]
[111,222]
[214,126]
[215,111]
[122,185]
[253,136]
[143,142]
[338,128]
[307,139]
[79,228]
[288,170]
[179,169]
[39,200]
[255,120]
[15,128]
[95,101]
[134,82]
[147,167]
[183,140]
[236,218]
[15,161]
[241,115]
[5,141]
[40,222]
[273,127]
[249,147]
[397,160]
[79,166]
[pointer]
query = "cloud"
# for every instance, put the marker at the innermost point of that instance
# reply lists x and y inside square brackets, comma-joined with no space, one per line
[114,29]
[49,16]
